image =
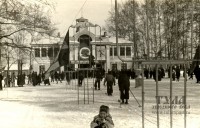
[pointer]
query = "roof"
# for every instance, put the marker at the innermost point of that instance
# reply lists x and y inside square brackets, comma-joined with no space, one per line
[82,19]
[120,40]
[14,67]
[50,40]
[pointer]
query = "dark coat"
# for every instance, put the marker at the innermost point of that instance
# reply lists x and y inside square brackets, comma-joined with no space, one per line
[123,81]
[178,74]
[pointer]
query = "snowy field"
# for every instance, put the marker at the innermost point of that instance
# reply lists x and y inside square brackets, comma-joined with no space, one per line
[56,106]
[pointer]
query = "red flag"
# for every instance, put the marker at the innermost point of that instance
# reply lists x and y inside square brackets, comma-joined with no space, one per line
[62,58]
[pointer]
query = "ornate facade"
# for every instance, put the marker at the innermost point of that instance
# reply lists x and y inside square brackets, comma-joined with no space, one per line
[84,40]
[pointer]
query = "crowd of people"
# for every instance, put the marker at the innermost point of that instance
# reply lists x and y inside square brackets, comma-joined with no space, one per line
[11,80]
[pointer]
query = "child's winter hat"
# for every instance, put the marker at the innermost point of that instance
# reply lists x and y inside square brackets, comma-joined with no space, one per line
[104,108]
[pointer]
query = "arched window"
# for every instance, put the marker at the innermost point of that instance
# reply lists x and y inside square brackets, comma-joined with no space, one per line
[84,40]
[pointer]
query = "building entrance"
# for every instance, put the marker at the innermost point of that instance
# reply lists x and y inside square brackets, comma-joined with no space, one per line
[84,66]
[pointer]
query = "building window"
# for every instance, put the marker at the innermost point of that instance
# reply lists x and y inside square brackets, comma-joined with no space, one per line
[115,51]
[50,52]
[114,67]
[56,50]
[44,52]
[128,51]
[122,51]
[37,52]
[124,66]
[111,51]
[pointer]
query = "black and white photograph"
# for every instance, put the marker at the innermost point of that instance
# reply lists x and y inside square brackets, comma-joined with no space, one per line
[99,63]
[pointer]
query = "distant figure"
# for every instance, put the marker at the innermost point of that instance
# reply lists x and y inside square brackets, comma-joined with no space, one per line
[110,80]
[56,76]
[178,73]
[124,86]
[80,78]
[103,119]
[39,78]
[23,78]
[197,73]
[98,76]
[173,75]
[1,78]
[52,77]
[46,80]
[13,77]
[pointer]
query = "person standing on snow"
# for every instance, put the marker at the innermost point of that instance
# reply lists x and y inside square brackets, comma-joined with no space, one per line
[110,81]
[103,119]
[98,76]
[124,86]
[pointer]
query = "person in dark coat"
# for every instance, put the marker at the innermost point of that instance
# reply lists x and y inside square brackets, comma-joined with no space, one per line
[23,78]
[173,74]
[178,73]
[46,79]
[151,73]
[132,74]
[98,76]
[13,77]
[43,76]
[52,76]
[146,73]
[162,72]
[34,78]
[39,78]
[110,80]
[56,76]
[197,73]
[1,78]
[124,86]
[80,78]
[159,74]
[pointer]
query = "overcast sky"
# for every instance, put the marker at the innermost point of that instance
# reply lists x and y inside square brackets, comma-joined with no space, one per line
[66,11]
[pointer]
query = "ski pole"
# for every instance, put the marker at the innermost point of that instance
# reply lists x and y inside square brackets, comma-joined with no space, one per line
[135,99]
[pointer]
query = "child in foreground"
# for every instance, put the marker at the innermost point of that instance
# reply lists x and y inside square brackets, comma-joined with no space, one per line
[103,119]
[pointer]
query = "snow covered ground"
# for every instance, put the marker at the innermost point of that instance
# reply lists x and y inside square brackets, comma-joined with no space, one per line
[56,106]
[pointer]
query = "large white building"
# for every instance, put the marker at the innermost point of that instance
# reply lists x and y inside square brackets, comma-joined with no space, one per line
[83,40]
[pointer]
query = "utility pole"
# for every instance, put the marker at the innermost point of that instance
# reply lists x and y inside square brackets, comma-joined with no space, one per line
[148,46]
[176,37]
[8,66]
[192,14]
[0,48]
[134,34]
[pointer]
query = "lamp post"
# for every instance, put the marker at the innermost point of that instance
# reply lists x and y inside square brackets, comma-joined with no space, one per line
[96,25]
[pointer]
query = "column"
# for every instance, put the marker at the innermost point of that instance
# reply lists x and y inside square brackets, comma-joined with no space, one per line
[53,51]
[47,52]
[125,50]
[40,52]
[76,56]
[107,57]
[93,51]
[113,52]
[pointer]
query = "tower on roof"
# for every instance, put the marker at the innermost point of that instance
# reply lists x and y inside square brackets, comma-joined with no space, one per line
[82,19]
[82,23]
